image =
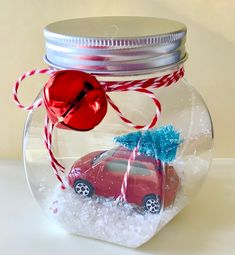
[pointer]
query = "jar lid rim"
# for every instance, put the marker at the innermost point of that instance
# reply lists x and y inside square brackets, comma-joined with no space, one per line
[115,43]
[114,28]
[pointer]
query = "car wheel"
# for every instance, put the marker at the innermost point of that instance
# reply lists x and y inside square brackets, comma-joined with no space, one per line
[83,188]
[152,203]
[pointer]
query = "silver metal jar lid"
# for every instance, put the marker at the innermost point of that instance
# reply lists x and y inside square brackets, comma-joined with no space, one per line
[114,45]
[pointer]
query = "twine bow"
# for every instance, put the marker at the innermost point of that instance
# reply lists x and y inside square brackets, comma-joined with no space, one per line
[142,86]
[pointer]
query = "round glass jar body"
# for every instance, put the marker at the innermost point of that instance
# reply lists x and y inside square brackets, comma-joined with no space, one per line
[89,205]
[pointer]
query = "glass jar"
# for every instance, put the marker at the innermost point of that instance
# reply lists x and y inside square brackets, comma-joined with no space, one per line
[122,185]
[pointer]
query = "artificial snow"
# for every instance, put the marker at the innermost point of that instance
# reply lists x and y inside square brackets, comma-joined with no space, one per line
[107,219]
[121,223]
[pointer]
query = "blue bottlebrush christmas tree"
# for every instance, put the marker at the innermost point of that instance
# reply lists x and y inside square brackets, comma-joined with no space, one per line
[160,143]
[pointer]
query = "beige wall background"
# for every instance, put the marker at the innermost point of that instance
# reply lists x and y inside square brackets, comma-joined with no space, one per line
[210,44]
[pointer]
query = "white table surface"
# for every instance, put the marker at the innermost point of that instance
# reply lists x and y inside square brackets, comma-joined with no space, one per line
[206,226]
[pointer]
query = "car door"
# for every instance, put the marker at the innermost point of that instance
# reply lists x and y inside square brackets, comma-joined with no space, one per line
[140,181]
[114,171]
[98,169]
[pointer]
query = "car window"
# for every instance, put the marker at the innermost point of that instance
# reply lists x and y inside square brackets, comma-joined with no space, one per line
[102,156]
[155,163]
[120,166]
[139,169]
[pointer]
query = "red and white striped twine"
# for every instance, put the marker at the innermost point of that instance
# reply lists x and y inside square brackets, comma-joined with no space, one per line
[122,196]
[141,86]
[56,166]
[36,103]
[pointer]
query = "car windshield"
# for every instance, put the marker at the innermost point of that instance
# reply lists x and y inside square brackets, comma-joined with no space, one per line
[120,166]
[102,156]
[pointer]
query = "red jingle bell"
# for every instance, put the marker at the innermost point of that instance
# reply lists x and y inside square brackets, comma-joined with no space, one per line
[74,100]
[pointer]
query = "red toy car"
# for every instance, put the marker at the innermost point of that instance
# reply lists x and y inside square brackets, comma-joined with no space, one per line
[102,173]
